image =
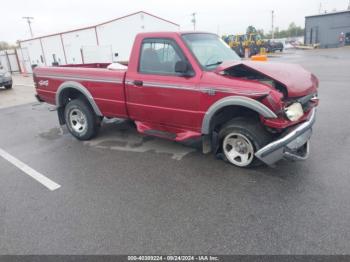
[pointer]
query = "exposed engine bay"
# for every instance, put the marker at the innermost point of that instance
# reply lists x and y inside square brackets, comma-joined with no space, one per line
[245,72]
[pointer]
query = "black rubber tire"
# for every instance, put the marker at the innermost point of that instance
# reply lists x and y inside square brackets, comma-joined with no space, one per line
[8,86]
[250,128]
[93,121]
[240,50]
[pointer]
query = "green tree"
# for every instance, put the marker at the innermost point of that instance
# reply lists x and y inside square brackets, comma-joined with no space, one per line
[261,32]
[4,45]
[251,30]
[292,31]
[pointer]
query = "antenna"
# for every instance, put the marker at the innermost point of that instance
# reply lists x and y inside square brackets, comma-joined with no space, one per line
[194,21]
[28,18]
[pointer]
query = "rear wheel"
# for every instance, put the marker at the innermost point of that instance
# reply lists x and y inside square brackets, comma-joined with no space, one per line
[81,120]
[240,139]
[8,86]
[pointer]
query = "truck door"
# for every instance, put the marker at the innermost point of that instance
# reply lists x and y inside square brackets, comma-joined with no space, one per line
[156,93]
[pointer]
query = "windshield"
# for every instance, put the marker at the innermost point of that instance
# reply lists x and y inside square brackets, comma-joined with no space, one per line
[210,50]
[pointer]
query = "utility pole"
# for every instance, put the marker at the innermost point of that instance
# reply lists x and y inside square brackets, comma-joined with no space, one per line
[194,21]
[28,18]
[320,8]
[349,5]
[272,28]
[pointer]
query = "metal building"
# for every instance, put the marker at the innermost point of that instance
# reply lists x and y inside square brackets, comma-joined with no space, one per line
[97,43]
[326,29]
[9,60]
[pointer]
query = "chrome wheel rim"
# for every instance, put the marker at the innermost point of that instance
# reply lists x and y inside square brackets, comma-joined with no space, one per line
[238,149]
[77,120]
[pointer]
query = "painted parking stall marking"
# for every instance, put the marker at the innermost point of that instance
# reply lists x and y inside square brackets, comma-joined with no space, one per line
[29,85]
[30,171]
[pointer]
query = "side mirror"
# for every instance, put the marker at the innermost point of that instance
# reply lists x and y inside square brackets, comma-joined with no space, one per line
[183,68]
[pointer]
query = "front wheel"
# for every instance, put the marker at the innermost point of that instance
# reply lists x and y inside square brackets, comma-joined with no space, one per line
[81,120]
[8,86]
[240,139]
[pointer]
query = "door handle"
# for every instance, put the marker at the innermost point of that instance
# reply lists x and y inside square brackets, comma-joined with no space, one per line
[138,83]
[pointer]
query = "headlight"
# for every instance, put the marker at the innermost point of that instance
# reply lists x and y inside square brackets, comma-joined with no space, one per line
[7,74]
[294,112]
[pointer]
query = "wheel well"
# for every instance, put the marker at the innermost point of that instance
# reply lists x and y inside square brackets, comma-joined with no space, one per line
[225,114]
[65,96]
[69,94]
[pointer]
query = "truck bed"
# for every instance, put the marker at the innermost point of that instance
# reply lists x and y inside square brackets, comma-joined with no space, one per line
[104,85]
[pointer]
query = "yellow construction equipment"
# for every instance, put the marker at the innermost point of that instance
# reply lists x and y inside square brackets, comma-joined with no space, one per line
[236,42]
[241,42]
[256,43]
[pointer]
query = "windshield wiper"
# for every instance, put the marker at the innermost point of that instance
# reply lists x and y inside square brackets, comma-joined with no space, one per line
[214,64]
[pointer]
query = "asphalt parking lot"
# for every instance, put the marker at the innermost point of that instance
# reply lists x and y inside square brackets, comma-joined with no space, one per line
[123,193]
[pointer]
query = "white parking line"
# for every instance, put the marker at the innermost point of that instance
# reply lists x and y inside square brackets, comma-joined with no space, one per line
[29,85]
[30,171]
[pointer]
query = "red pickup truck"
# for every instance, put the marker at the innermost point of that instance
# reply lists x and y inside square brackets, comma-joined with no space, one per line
[183,86]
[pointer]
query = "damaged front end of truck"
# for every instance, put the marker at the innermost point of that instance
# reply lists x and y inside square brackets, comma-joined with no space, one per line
[293,99]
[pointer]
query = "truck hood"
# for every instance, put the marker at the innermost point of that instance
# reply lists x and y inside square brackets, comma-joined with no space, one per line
[294,78]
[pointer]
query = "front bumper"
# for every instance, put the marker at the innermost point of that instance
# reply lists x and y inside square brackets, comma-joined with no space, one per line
[294,145]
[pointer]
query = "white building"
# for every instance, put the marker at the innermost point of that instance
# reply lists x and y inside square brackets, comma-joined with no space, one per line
[9,60]
[98,43]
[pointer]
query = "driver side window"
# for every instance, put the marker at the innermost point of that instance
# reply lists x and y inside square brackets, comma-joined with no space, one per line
[159,56]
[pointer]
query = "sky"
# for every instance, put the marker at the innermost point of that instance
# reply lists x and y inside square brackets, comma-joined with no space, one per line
[220,16]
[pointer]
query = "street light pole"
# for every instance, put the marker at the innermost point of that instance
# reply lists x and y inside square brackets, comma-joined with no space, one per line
[272,18]
[28,18]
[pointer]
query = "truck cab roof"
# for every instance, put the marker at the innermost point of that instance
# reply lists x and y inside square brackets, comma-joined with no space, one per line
[170,33]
